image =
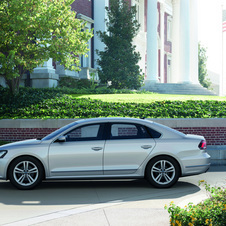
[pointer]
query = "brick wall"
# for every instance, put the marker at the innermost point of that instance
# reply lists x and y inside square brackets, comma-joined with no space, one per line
[213,135]
[16,134]
[83,6]
[214,130]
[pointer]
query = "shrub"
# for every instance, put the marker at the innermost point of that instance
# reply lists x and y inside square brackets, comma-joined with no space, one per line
[212,211]
[70,85]
[4,142]
[203,74]
[53,103]
[71,82]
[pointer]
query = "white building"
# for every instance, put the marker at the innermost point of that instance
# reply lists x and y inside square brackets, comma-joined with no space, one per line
[167,42]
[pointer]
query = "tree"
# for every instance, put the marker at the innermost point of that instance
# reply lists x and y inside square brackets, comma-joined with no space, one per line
[35,30]
[119,60]
[203,75]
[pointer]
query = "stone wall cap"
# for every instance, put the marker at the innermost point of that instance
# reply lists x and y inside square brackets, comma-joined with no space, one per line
[56,123]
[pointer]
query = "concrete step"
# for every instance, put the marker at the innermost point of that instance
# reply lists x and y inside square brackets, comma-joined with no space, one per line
[177,88]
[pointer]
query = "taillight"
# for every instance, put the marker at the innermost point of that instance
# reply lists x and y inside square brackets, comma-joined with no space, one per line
[202,145]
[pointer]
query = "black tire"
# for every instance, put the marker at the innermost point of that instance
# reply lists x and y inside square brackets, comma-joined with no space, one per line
[162,172]
[25,173]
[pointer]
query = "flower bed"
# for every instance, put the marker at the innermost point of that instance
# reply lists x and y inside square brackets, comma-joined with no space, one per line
[211,211]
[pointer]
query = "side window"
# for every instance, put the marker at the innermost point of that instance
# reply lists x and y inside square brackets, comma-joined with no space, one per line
[89,132]
[128,131]
[154,133]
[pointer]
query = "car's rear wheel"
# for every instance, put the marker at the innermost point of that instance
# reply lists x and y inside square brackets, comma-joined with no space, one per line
[25,172]
[162,172]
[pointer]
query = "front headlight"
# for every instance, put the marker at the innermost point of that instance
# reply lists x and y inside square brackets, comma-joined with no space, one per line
[3,153]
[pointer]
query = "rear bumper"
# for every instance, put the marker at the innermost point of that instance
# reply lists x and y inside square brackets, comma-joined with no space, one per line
[193,170]
[199,165]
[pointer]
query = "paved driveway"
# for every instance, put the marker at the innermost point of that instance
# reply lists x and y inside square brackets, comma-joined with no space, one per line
[120,202]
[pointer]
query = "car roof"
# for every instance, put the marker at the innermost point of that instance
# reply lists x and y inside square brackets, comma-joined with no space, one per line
[113,119]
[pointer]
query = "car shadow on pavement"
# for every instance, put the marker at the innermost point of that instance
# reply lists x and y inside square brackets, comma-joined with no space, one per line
[91,192]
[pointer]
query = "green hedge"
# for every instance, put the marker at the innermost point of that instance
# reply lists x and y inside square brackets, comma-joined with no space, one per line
[53,103]
[211,211]
[4,142]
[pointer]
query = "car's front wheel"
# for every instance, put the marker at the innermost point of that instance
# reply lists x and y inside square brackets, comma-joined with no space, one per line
[162,172]
[25,172]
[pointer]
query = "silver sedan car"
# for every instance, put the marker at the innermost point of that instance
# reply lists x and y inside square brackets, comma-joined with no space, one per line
[105,148]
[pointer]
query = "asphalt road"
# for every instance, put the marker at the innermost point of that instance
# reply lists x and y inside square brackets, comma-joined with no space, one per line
[119,202]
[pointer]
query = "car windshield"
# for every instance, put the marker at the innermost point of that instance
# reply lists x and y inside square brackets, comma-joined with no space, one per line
[59,131]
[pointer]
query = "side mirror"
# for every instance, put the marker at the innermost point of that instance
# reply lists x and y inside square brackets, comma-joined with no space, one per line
[61,139]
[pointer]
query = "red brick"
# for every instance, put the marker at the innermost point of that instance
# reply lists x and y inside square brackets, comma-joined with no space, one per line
[83,6]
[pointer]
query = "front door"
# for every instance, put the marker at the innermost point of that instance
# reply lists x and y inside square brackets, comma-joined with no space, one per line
[80,155]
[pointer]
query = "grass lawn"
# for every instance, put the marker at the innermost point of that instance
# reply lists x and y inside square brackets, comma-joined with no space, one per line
[145,98]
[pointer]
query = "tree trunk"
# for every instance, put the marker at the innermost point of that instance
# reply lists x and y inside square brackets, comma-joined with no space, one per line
[13,85]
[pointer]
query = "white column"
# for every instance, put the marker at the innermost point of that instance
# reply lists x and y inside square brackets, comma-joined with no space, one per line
[194,59]
[100,15]
[175,63]
[162,38]
[152,42]
[222,83]
[185,41]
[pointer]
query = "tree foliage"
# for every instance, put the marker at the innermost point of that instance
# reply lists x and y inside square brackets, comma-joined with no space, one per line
[203,75]
[119,60]
[33,31]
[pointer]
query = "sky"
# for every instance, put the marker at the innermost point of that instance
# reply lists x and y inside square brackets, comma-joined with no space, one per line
[210,31]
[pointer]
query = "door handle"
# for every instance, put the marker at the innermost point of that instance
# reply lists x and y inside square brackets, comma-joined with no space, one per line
[97,148]
[146,146]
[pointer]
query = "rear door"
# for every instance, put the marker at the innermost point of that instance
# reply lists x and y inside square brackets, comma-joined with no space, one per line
[127,146]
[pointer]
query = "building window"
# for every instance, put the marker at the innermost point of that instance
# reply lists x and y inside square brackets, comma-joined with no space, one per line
[168,68]
[137,4]
[169,28]
[85,60]
[140,12]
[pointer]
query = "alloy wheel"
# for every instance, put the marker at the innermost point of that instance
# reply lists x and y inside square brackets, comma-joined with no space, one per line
[25,173]
[163,172]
